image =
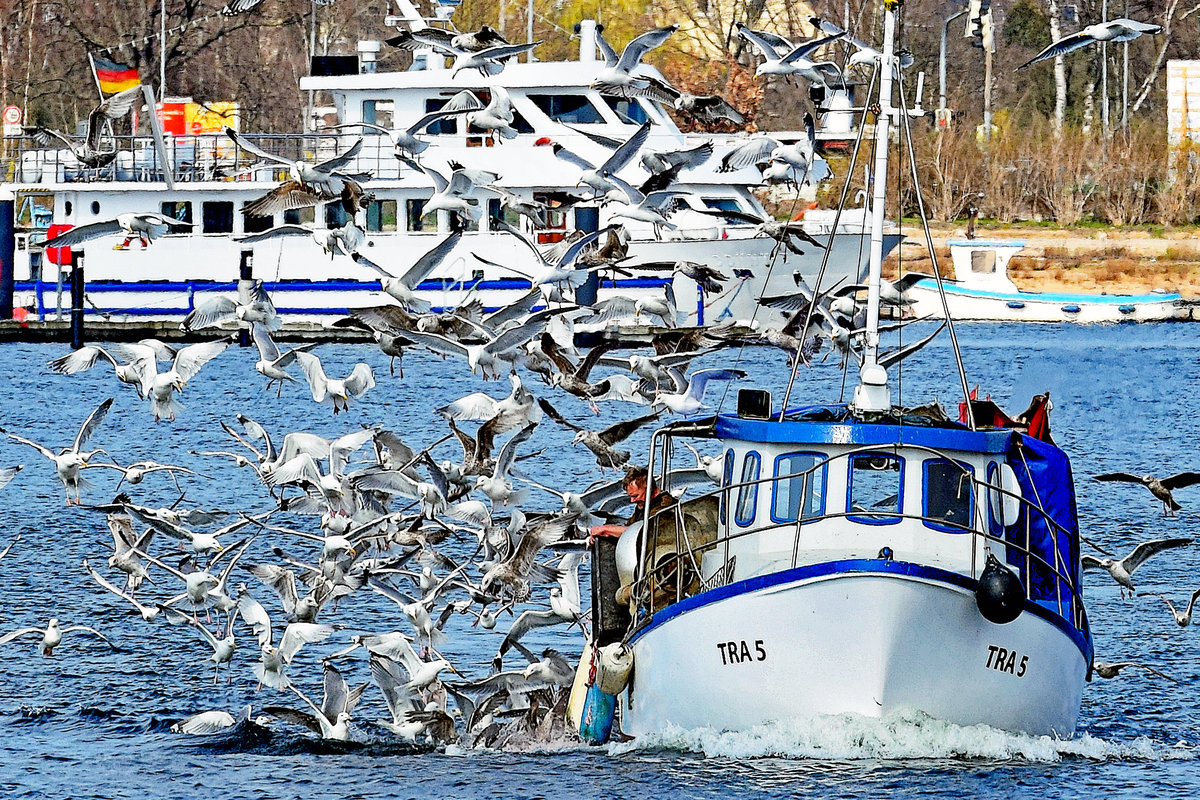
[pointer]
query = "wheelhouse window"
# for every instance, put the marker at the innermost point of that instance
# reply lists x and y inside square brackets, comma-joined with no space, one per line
[574,109]
[876,481]
[300,216]
[174,209]
[948,494]
[378,112]
[416,217]
[442,126]
[255,224]
[726,479]
[217,216]
[627,109]
[747,495]
[381,216]
[799,487]
[335,215]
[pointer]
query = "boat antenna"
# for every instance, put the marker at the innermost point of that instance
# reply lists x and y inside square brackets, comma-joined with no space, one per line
[937,272]
[873,393]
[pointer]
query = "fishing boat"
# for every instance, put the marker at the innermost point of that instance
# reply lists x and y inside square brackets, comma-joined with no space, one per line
[983,290]
[205,180]
[857,558]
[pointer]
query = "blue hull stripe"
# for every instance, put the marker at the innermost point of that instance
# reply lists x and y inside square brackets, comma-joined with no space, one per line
[850,567]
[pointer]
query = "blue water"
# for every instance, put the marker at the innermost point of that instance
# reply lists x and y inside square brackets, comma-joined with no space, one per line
[91,723]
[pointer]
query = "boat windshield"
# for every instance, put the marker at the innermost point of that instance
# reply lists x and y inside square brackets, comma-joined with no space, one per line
[571,108]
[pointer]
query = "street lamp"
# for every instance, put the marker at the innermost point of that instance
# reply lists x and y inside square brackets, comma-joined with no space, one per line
[942,117]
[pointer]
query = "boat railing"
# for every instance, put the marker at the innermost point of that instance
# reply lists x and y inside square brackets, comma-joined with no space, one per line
[680,573]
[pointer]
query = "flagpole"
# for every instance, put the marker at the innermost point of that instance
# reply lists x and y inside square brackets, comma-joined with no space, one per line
[95,76]
[162,52]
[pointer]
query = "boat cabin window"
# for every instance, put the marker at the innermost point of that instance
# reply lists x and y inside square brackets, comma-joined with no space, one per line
[378,112]
[747,496]
[174,209]
[948,494]
[627,109]
[335,215]
[217,216]
[300,216]
[726,479]
[441,126]
[876,481]
[417,219]
[95,207]
[251,223]
[799,488]
[381,216]
[575,109]
[725,204]
[983,262]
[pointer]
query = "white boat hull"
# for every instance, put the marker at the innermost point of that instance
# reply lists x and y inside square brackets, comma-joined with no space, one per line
[864,642]
[970,304]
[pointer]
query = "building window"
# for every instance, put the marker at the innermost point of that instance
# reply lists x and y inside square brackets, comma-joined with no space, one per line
[300,216]
[381,216]
[747,496]
[630,111]
[218,216]
[178,210]
[417,219]
[255,224]
[948,494]
[799,487]
[875,486]
[574,109]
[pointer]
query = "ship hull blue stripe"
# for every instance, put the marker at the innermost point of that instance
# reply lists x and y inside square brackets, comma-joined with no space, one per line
[850,567]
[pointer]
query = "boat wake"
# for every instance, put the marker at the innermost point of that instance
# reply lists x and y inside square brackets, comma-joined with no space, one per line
[903,735]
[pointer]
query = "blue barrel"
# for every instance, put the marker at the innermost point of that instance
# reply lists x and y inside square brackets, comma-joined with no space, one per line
[599,709]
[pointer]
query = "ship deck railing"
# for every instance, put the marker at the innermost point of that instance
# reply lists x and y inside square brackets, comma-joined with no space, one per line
[681,575]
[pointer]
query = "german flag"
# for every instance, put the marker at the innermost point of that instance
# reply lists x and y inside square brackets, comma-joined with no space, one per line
[114,77]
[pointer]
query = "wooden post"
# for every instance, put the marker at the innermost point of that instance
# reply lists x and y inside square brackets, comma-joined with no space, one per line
[587,219]
[77,284]
[245,284]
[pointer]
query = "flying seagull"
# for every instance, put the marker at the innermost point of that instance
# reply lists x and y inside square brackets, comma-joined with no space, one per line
[1115,30]
[146,226]
[1160,488]
[1182,618]
[1122,571]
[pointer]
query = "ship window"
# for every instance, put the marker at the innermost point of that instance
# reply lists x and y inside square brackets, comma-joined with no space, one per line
[67,208]
[335,215]
[627,110]
[726,204]
[875,485]
[571,108]
[995,509]
[252,223]
[300,216]
[378,112]
[381,216]
[441,126]
[217,216]
[747,496]
[416,217]
[726,479]
[95,207]
[948,494]
[799,489]
[177,209]
[983,262]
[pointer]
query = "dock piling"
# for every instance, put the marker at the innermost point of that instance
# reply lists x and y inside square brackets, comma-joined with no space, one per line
[587,219]
[8,252]
[77,285]
[245,285]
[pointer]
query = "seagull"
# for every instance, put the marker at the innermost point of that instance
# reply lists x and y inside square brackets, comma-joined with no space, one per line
[1115,30]
[6,476]
[782,57]
[146,226]
[559,268]
[1122,571]
[270,670]
[137,370]
[488,61]
[405,141]
[69,461]
[483,358]
[497,486]
[253,305]
[336,391]
[689,392]
[271,363]
[222,648]
[347,239]
[427,38]
[403,287]
[90,153]
[331,719]
[599,178]
[1182,618]
[1113,669]
[136,472]
[512,575]
[149,613]
[52,636]
[616,79]
[208,723]
[602,443]
[188,361]
[497,116]
[1160,488]
[799,159]
[310,184]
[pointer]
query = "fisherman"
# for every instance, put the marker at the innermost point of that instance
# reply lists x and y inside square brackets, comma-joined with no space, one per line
[636,481]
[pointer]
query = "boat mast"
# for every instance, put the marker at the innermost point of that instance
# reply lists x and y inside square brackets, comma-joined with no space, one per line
[873,392]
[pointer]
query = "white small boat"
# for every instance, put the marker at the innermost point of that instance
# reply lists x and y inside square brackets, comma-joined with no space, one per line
[983,290]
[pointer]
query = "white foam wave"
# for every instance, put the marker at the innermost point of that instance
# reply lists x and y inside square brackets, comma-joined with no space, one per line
[902,735]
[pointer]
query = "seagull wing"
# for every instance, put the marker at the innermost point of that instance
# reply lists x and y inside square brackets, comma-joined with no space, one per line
[768,49]
[298,634]
[610,55]
[1091,562]
[281,580]
[508,453]
[572,158]
[430,261]
[1063,46]
[285,197]
[535,539]
[79,360]
[314,373]
[625,153]
[250,147]
[91,424]
[1127,477]
[342,159]
[477,406]
[623,430]
[294,716]
[514,310]
[275,233]
[190,359]
[256,617]
[437,343]
[903,352]
[8,637]
[336,699]
[84,233]
[1181,480]
[552,412]
[92,631]
[699,380]
[211,311]
[754,151]
[1147,549]
[360,380]
[267,349]
[639,46]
